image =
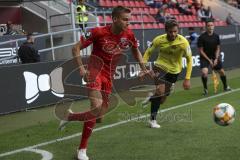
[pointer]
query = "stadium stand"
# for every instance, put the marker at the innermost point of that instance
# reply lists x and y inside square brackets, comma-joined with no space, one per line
[145,14]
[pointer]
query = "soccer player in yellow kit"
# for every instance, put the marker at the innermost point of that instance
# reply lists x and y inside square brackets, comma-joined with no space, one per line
[171,47]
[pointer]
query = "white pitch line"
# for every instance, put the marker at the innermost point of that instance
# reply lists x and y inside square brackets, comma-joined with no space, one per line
[45,154]
[114,124]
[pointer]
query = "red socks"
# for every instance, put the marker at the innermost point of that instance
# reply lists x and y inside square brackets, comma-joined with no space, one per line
[87,131]
[83,116]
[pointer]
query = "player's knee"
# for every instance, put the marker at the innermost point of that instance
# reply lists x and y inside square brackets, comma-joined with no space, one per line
[221,72]
[204,74]
[158,99]
[97,104]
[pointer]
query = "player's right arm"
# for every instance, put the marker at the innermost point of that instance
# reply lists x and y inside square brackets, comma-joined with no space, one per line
[149,51]
[84,42]
[146,57]
[76,53]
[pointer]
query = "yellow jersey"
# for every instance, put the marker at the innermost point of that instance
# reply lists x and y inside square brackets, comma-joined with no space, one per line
[170,54]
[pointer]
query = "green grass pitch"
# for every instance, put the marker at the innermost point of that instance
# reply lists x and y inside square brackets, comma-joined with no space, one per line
[187,132]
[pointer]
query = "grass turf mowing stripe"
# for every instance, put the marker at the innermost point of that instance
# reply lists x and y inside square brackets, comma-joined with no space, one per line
[114,124]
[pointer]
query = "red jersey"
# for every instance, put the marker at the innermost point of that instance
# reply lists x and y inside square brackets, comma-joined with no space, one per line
[107,48]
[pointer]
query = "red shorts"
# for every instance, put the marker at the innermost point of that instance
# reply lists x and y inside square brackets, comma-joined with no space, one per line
[103,84]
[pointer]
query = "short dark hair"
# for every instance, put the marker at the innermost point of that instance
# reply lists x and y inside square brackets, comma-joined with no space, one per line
[29,35]
[209,20]
[170,23]
[119,10]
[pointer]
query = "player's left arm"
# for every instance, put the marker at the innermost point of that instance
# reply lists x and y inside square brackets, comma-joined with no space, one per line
[188,55]
[217,52]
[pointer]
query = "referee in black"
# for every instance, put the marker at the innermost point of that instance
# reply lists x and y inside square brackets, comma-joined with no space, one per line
[209,48]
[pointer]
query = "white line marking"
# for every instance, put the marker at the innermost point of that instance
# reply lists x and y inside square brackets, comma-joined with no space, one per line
[114,124]
[45,154]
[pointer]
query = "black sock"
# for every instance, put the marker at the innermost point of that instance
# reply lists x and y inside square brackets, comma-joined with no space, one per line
[204,81]
[155,104]
[224,81]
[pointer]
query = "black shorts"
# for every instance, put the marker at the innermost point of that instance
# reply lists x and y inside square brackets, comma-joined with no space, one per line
[163,77]
[205,64]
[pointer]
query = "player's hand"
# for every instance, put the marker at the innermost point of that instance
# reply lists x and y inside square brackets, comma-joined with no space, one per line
[186,84]
[211,63]
[215,62]
[146,73]
[85,74]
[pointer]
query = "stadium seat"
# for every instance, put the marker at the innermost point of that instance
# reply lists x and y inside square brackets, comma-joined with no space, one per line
[139,18]
[137,4]
[152,18]
[102,3]
[195,24]
[131,26]
[108,19]
[125,3]
[194,18]
[136,10]
[185,18]
[142,4]
[181,25]
[100,19]
[181,19]
[146,18]
[132,4]
[200,24]
[153,11]
[114,3]
[155,25]
[146,10]
[137,26]
[120,3]
[170,10]
[134,18]
[161,25]
[175,11]
[148,26]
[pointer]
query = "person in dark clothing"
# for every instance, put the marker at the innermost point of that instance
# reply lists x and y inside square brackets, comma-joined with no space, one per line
[27,52]
[209,48]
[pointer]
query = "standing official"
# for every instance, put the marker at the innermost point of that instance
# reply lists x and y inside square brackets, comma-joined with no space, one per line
[209,49]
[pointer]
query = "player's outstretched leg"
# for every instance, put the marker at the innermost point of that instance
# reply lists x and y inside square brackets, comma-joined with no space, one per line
[62,111]
[65,121]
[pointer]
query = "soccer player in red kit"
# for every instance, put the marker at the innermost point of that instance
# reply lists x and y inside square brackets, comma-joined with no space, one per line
[108,43]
